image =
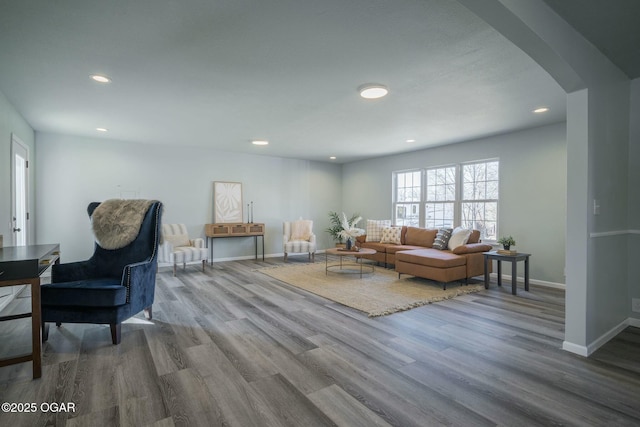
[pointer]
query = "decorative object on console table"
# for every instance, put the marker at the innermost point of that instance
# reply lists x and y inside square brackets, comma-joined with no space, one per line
[227,202]
[239,229]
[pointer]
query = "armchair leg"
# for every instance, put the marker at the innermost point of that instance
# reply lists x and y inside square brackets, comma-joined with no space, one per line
[285,257]
[203,263]
[174,269]
[148,314]
[45,331]
[115,333]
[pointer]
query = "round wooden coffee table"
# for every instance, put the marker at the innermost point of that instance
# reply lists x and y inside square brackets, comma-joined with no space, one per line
[344,267]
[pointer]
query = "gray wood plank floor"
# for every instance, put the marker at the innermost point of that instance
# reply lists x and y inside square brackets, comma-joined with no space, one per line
[234,347]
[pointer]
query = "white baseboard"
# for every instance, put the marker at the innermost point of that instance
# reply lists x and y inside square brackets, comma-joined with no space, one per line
[588,350]
[506,278]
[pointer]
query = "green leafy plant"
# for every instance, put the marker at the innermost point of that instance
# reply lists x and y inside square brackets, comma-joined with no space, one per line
[507,242]
[336,220]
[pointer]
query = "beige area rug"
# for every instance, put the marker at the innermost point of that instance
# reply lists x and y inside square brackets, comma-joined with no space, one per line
[376,294]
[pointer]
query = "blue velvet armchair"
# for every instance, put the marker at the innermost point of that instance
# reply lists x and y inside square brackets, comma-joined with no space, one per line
[110,287]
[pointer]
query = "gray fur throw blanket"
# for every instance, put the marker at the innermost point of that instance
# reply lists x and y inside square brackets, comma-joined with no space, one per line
[116,222]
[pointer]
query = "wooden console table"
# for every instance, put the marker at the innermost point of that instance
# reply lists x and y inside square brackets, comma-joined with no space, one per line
[217,231]
[23,265]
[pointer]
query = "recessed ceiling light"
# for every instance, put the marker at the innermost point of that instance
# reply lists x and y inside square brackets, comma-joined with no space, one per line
[260,142]
[373,90]
[102,129]
[411,140]
[332,158]
[541,110]
[100,79]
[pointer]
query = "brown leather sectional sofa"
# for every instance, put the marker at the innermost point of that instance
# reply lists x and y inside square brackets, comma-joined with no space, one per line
[415,256]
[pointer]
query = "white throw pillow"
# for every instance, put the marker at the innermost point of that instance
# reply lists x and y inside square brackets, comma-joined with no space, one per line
[391,235]
[374,229]
[459,237]
[301,229]
[178,240]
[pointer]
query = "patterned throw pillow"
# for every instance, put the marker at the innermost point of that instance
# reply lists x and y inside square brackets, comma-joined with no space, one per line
[442,238]
[391,235]
[374,229]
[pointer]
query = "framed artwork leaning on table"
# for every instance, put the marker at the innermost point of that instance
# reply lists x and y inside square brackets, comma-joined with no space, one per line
[227,202]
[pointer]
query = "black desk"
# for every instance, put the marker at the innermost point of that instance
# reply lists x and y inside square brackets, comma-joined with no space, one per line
[23,265]
[488,256]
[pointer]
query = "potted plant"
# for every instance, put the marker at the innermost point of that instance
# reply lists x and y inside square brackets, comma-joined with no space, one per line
[337,225]
[350,231]
[507,242]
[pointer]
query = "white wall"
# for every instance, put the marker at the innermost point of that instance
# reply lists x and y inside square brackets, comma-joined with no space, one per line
[532,189]
[12,122]
[74,171]
[634,194]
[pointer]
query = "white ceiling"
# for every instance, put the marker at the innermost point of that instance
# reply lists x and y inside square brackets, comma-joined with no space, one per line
[221,73]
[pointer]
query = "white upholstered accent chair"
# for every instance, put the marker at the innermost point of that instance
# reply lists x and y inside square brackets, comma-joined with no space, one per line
[177,248]
[298,237]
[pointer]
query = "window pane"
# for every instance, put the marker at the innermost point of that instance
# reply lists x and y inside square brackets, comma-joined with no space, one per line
[479,207]
[439,215]
[481,216]
[441,184]
[408,186]
[408,214]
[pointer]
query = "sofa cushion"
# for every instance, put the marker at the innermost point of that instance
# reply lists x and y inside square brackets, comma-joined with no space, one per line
[392,249]
[474,237]
[374,229]
[420,236]
[442,238]
[379,247]
[471,248]
[431,258]
[459,236]
[105,292]
[391,235]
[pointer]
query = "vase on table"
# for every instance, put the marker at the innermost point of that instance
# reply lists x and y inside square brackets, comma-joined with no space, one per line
[349,244]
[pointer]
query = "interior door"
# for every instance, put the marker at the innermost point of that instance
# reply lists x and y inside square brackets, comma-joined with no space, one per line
[19,192]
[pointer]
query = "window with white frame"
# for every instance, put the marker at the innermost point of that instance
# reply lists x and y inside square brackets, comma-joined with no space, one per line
[407,197]
[479,201]
[440,197]
[445,196]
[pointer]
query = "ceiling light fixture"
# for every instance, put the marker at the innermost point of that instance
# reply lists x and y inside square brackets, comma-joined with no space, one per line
[541,110]
[332,158]
[100,79]
[373,90]
[102,129]
[411,140]
[260,142]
